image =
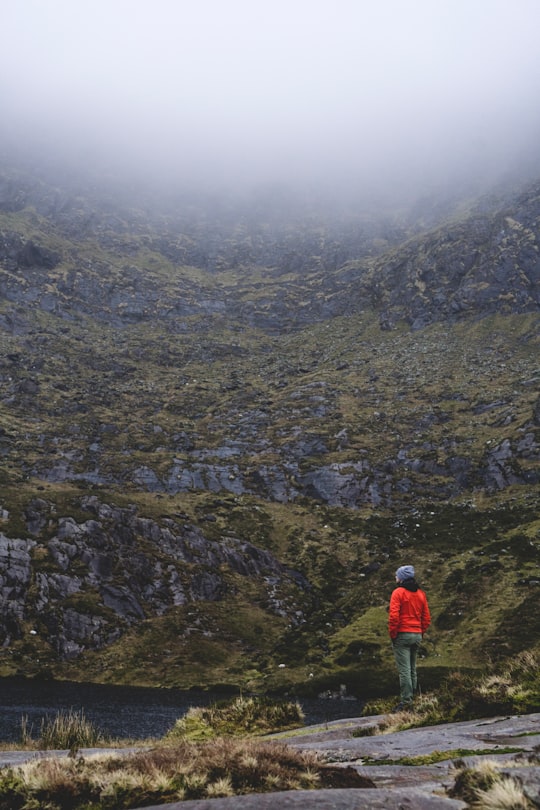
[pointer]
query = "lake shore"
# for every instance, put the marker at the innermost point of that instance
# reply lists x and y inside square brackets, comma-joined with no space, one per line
[128,712]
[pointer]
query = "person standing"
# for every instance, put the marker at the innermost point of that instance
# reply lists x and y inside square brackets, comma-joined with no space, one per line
[408,620]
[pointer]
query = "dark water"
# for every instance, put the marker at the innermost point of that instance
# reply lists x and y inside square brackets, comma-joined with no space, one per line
[125,712]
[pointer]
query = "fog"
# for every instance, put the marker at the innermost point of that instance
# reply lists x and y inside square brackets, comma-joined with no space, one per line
[365,96]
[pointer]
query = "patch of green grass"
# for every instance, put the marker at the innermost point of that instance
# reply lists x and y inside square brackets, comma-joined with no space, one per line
[442,756]
[240,716]
[226,642]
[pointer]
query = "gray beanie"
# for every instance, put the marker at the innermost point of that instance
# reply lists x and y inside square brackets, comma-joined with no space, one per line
[405,572]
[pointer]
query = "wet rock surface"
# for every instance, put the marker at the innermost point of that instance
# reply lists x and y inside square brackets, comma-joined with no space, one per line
[339,799]
[339,742]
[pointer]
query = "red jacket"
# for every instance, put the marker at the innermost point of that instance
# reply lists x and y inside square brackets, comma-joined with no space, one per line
[409,610]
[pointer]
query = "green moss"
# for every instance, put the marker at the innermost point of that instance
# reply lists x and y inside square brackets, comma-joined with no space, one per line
[443,756]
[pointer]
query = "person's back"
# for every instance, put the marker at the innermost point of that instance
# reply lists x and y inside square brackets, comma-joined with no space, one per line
[409,611]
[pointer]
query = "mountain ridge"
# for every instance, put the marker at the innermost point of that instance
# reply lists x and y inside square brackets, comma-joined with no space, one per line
[483,263]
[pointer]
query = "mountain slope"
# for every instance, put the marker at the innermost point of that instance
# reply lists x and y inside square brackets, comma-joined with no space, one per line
[164,390]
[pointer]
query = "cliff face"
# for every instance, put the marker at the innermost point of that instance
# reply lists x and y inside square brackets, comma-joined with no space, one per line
[295,388]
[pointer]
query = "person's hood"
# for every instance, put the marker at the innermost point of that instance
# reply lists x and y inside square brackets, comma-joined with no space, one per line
[410,584]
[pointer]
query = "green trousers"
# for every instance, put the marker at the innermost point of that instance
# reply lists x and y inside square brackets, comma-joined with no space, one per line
[405,650]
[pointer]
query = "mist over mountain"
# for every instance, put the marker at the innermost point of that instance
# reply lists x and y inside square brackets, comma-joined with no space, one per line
[369,101]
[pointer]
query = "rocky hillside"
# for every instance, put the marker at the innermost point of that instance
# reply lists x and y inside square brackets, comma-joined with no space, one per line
[222,416]
[486,262]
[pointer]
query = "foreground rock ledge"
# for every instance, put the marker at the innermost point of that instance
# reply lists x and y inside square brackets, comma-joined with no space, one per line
[399,787]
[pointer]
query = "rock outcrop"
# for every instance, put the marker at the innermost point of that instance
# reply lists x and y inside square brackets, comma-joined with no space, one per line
[115,569]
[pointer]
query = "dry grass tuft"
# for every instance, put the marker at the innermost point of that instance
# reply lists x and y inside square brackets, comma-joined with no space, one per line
[67,730]
[484,788]
[504,794]
[173,772]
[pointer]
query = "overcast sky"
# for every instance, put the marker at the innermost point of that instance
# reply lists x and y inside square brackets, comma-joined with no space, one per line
[367,91]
